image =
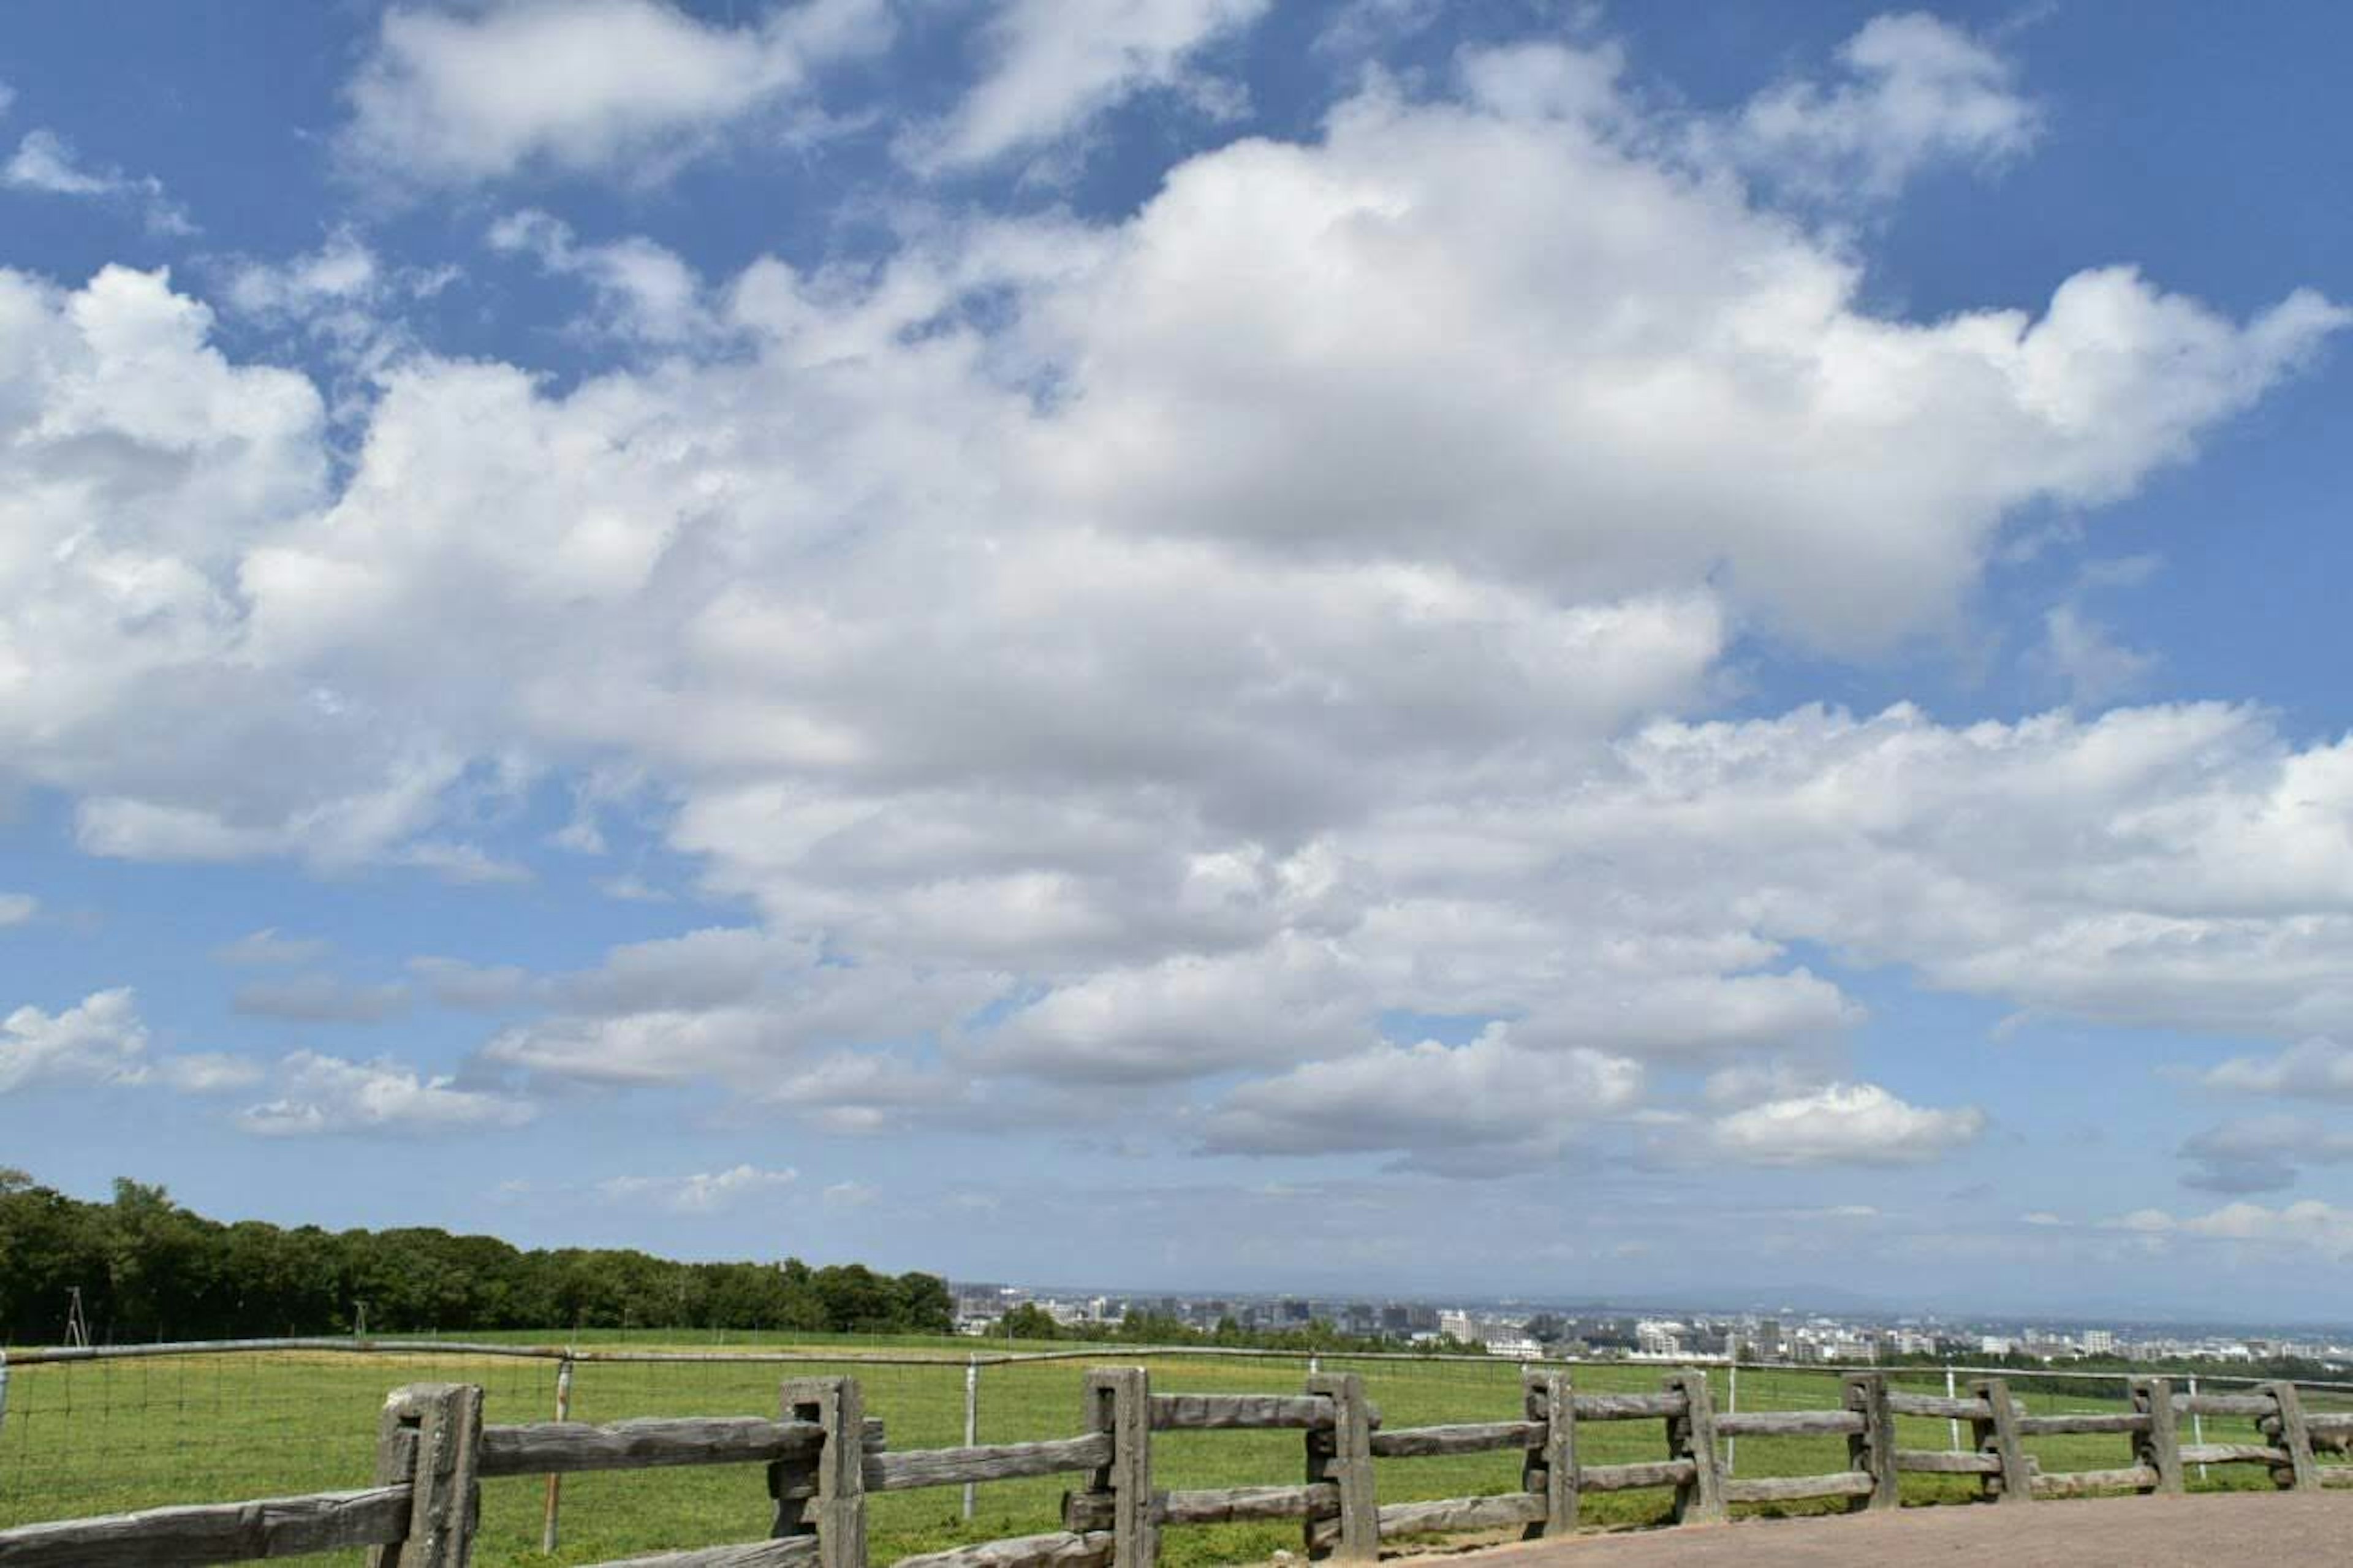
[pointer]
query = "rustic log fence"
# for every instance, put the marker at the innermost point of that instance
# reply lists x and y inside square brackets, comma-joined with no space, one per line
[823,1457]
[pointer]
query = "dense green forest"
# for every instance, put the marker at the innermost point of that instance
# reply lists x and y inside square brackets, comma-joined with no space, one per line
[150,1269]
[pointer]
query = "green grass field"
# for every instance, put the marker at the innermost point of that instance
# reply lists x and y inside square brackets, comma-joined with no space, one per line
[105,1437]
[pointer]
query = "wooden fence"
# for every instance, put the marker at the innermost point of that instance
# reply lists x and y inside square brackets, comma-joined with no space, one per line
[823,1456]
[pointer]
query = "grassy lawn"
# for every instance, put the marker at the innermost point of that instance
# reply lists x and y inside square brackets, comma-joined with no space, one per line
[105,1437]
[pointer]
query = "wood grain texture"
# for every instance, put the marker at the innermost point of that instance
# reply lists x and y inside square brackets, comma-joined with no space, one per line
[1944,1462]
[1004,1462]
[2159,1443]
[2082,1483]
[216,1532]
[1549,1469]
[1222,1505]
[1873,1449]
[1692,1435]
[800,1551]
[1799,1489]
[435,1428]
[1789,1423]
[1467,1437]
[1447,1514]
[570,1448]
[1119,1406]
[1061,1549]
[1625,1478]
[2303,1472]
[1343,1457]
[1996,1425]
[1628,1407]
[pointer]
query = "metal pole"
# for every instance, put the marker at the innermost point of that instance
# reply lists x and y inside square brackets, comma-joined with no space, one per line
[971,1421]
[556,1483]
[3,1390]
[1954,1425]
[1732,1407]
[2197,1425]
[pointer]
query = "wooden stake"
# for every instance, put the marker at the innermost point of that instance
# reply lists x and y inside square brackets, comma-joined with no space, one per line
[1692,1435]
[1550,1467]
[446,1419]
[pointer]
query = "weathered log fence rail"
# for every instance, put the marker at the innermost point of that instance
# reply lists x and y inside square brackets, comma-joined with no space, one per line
[823,1457]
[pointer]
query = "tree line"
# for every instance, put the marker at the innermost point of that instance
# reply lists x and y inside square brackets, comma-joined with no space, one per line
[149,1269]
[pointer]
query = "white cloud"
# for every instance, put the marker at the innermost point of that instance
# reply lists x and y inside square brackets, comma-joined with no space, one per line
[1488,1106]
[16,909]
[210,1072]
[1917,90]
[1056,64]
[703,1193]
[2315,1068]
[458,96]
[2310,1227]
[644,291]
[2086,660]
[1844,1125]
[99,1041]
[1191,637]
[45,162]
[269,947]
[849,1195]
[323,1094]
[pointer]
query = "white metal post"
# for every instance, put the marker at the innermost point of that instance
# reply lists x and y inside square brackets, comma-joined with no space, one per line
[2197,1425]
[1732,1407]
[1954,1425]
[554,1502]
[971,1421]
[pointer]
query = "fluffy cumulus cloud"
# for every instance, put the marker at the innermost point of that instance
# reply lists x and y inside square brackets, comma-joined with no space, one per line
[1485,1106]
[323,1094]
[15,909]
[101,1040]
[1915,91]
[1055,64]
[1844,1123]
[458,96]
[1158,651]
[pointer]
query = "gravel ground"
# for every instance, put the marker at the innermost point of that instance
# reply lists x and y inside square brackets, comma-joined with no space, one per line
[2269,1528]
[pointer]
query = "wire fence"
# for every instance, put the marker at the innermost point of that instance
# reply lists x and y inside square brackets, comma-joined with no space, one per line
[110,1432]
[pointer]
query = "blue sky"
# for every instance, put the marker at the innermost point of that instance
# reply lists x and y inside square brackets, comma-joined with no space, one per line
[1363,645]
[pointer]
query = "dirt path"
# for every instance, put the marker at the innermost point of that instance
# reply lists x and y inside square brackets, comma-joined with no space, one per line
[2270,1529]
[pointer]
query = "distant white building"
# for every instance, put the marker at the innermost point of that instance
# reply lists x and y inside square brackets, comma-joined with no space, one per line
[1518,1345]
[1457,1322]
[2099,1342]
[1659,1336]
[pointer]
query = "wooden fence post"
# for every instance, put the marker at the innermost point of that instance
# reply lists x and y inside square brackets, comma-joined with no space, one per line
[1996,1434]
[1345,1456]
[1119,1402]
[2288,1430]
[1692,1435]
[1873,1449]
[430,1436]
[825,1495]
[2161,1447]
[1550,1469]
